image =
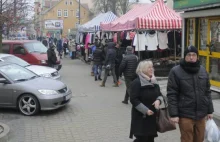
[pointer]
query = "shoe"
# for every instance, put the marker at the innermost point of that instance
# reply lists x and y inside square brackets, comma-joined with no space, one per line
[99,78]
[115,85]
[102,85]
[92,74]
[95,78]
[119,83]
[125,102]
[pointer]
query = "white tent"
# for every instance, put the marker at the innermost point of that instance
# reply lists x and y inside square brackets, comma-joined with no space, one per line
[94,24]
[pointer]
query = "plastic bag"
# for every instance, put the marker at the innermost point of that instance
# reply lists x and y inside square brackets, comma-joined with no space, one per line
[212,132]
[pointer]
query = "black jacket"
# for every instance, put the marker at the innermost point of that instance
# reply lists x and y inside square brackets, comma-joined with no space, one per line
[98,56]
[111,54]
[52,58]
[142,124]
[119,56]
[128,66]
[189,94]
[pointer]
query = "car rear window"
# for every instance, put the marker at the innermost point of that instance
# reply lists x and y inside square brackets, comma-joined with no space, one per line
[35,47]
[6,48]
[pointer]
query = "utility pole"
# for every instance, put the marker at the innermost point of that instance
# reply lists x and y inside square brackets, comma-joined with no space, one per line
[79,12]
[15,3]
[1,25]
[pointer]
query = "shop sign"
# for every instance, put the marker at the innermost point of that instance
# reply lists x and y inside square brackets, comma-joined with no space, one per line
[183,4]
[54,24]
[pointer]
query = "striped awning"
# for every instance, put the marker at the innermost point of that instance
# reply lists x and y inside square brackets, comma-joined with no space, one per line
[94,24]
[159,17]
[146,16]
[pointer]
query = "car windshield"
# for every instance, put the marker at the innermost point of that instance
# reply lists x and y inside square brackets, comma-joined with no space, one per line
[36,47]
[17,73]
[16,60]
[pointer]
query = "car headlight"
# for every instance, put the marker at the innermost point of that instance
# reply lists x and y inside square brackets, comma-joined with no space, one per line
[46,75]
[48,92]
[43,61]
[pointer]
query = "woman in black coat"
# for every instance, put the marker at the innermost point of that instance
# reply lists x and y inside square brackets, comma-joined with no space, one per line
[145,97]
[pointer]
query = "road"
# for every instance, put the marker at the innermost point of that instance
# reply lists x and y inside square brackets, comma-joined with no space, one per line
[95,114]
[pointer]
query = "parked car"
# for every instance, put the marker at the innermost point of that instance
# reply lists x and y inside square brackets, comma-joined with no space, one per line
[39,70]
[32,51]
[20,88]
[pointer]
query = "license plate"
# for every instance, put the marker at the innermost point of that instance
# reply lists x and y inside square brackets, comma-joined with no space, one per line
[67,97]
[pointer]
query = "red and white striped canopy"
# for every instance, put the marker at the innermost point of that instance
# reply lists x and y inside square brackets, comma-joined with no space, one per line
[159,16]
[147,16]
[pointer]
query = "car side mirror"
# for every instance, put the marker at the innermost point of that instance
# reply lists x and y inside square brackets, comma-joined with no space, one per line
[3,80]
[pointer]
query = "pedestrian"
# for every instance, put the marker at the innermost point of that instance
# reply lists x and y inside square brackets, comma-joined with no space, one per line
[51,55]
[189,96]
[60,48]
[119,57]
[128,68]
[110,64]
[72,48]
[145,97]
[98,58]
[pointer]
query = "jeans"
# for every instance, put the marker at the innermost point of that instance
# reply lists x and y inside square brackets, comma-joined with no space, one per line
[192,130]
[128,82]
[113,74]
[97,70]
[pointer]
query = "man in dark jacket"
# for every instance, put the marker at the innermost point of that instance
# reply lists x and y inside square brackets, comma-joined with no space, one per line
[189,97]
[128,68]
[110,63]
[51,55]
[98,58]
[119,57]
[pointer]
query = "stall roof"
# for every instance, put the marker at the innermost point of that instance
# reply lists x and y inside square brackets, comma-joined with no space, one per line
[148,16]
[94,24]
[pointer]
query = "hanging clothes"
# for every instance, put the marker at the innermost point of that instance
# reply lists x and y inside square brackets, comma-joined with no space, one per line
[132,35]
[151,41]
[128,36]
[115,38]
[87,41]
[163,40]
[110,35]
[170,36]
[139,42]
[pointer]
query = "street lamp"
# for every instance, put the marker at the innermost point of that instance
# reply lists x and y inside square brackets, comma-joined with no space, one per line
[79,13]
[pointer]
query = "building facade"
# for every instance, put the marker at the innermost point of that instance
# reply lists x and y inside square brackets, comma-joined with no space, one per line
[201,27]
[61,18]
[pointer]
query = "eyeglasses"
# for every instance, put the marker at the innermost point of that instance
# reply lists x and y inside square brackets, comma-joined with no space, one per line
[191,55]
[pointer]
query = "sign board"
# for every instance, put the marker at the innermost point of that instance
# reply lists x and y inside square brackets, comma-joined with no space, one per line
[54,24]
[183,4]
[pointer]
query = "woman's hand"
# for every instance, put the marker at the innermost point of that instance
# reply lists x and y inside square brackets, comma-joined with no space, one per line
[156,104]
[149,112]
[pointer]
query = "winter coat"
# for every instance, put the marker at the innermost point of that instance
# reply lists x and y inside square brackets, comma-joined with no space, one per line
[189,95]
[111,54]
[98,56]
[59,45]
[119,56]
[52,58]
[45,42]
[142,124]
[128,66]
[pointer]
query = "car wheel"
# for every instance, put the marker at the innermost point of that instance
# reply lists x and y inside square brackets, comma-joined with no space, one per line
[28,105]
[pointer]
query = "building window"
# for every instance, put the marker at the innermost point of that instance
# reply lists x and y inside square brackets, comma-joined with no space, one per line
[71,3]
[65,13]
[77,13]
[76,25]
[66,2]
[59,13]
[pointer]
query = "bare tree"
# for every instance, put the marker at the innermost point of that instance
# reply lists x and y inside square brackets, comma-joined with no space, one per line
[13,13]
[124,5]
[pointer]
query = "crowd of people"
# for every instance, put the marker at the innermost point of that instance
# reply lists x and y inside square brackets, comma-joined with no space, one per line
[188,89]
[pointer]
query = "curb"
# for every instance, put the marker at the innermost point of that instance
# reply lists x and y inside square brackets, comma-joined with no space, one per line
[4,135]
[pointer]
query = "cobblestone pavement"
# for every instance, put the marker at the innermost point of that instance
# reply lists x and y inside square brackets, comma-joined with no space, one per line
[95,114]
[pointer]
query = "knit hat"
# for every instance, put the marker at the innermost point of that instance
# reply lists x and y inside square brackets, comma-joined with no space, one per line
[129,48]
[190,49]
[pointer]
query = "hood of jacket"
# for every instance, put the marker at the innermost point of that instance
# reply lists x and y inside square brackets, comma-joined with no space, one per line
[111,45]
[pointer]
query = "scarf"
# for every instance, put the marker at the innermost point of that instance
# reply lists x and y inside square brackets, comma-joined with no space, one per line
[190,67]
[146,80]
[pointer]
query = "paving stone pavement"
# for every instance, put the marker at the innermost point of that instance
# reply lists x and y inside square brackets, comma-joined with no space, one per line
[95,114]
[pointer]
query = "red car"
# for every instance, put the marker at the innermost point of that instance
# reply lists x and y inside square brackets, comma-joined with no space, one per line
[32,51]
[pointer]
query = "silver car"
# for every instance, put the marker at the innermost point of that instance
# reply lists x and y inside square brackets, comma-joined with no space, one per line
[25,90]
[39,70]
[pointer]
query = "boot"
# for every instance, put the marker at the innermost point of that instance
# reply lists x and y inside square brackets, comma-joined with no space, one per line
[115,85]
[95,78]
[102,85]
[125,102]
[99,78]
[92,74]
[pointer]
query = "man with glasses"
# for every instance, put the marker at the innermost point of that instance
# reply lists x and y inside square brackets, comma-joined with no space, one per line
[189,97]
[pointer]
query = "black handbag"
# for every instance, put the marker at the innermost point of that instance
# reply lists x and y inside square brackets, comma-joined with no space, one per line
[164,123]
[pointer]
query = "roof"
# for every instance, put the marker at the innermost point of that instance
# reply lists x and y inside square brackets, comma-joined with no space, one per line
[4,55]
[155,16]
[44,12]
[19,41]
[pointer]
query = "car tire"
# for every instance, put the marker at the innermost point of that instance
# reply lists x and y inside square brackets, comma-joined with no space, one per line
[28,105]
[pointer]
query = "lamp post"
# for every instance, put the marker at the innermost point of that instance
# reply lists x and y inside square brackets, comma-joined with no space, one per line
[79,12]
